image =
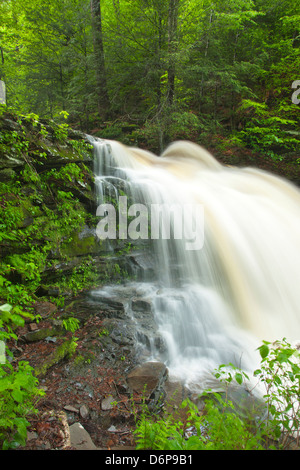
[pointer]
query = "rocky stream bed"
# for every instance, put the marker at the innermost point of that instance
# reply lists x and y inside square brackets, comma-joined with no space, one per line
[94,396]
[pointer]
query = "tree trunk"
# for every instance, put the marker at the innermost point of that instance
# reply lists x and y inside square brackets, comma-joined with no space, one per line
[102,94]
[205,55]
[172,47]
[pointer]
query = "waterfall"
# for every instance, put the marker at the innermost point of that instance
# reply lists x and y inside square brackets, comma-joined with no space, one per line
[216,303]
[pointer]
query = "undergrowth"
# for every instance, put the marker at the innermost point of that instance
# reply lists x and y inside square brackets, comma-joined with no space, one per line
[272,423]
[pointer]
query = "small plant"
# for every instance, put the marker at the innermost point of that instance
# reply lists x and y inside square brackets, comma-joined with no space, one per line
[103,332]
[71,324]
[61,130]
[19,393]
[280,374]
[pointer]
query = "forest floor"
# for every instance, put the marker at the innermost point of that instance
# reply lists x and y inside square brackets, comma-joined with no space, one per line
[89,388]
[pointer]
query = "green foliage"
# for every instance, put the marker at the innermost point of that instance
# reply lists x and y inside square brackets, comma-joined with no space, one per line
[280,374]
[81,277]
[271,424]
[103,332]
[18,396]
[169,126]
[175,69]
[266,132]
[18,385]
[221,428]
[71,324]
[39,213]
[70,172]
[10,319]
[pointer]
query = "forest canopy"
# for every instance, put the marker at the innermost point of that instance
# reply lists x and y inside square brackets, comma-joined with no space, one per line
[160,69]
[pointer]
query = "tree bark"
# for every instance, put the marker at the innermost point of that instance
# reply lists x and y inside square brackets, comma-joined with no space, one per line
[102,93]
[172,47]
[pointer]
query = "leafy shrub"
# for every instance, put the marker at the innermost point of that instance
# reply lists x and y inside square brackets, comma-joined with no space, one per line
[280,375]
[273,424]
[18,385]
[221,428]
[19,390]
[268,132]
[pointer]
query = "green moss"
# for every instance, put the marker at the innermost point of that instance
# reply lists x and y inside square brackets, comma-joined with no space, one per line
[64,351]
[42,333]
[78,246]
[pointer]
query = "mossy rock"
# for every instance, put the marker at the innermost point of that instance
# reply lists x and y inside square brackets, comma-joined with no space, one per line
[64,351]
[41,333]
[83,243]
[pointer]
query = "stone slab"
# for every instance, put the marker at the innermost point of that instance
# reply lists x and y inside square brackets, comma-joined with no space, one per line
[80,438]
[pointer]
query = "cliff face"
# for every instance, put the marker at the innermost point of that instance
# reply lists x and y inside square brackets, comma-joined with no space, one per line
[48,244]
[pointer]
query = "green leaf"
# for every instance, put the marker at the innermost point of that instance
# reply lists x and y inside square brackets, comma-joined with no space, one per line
[263,351]
[5,308]
[239,378]
[17,396]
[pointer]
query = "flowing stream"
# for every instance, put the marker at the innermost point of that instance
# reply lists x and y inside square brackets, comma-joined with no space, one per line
[227,257]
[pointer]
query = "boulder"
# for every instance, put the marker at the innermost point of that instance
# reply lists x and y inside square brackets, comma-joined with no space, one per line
[147,378]
[80,438]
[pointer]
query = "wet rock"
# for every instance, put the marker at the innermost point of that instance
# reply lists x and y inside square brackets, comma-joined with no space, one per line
[147,378]
[82,243]
[141,305]
[10,161]
[10,125]
[122,333]
[142,264]
[112,428]
[64,351]
[175,393]
[104,302]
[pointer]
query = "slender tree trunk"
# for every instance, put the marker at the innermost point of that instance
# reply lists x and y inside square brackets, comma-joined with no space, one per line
[102,94]
[172,47]
[232,109]
[158,54]
[2,61]
[205,55]
[62,88]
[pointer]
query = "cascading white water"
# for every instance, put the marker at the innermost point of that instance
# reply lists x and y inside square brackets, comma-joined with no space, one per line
[215,304]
